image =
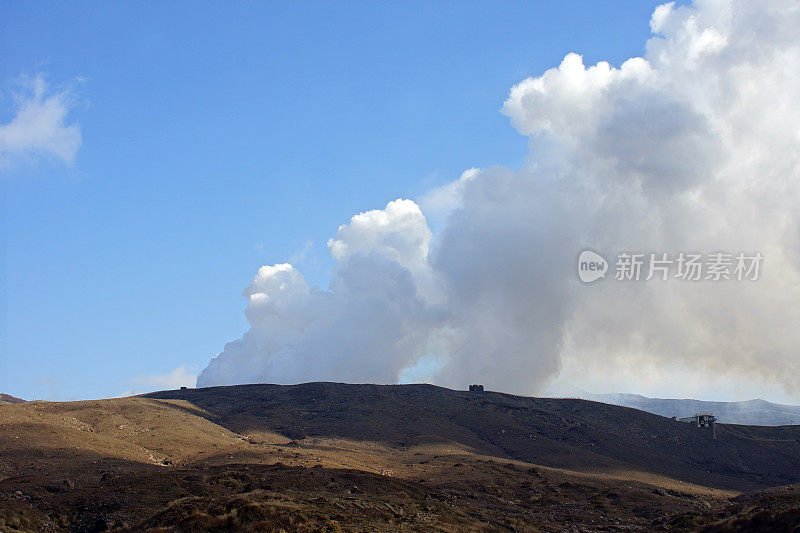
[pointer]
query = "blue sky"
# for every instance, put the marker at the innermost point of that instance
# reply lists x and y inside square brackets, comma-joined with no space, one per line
[220,137]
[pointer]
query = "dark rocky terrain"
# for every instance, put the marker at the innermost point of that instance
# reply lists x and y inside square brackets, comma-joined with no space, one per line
[327,456]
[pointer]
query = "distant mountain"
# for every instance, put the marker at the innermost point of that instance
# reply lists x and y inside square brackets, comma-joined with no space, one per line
[751,412]
[7,398]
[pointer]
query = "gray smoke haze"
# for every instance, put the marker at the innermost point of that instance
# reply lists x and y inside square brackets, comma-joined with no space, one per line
[694,147]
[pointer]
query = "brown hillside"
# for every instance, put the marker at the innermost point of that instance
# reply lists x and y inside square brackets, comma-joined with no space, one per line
[562,433]
[333,457]
[7,398]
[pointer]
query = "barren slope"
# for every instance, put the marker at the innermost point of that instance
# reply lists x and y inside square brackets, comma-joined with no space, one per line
[326,456]
[7,398]
[574,434]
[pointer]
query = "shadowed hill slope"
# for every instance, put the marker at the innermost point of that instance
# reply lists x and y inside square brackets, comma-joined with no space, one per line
[7,398]
[334,457]
[563,433]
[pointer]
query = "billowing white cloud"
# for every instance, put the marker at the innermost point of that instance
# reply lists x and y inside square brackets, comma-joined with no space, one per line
[40,126]
[371,325]
[442,200]
[693,147]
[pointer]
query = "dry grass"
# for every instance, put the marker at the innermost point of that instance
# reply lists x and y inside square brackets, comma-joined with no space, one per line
[328,457]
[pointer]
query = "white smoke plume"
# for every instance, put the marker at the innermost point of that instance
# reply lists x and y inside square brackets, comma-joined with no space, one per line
[694,147]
